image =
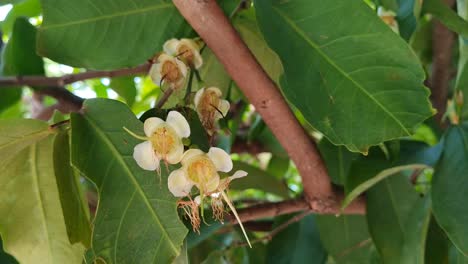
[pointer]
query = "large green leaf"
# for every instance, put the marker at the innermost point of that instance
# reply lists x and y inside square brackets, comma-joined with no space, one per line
[19,58]
[449,187]
[436,244]
[105,34]
[298,243]
[258,179]
[136,218]
[389,205]
[125,87]
[32,223]
[345,238]
[75,207]
[351,77]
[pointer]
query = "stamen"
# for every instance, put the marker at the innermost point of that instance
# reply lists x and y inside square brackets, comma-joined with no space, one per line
[135,135]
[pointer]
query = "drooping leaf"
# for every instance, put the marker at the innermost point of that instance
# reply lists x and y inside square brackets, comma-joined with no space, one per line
[74,205]
[449,187]
[19,58]
[340,72]
[125,87]
[32,223]
[406,18]
[389,205]
[298,243]
[102,27]
[258,179]
[136,217]
[447,16]
[345,238]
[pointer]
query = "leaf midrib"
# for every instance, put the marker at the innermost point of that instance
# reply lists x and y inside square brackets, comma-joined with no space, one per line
[329,60]
[34,174]
[24,138]
[110,16]
[102,135]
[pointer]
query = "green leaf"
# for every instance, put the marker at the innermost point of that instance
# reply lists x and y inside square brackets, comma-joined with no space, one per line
[258,179]
[340,72]
[406,18]
[125,87]
[136,217]
[17,134]
[183,257]
[447,16]
[5,258]
[389,205]
[32,226]
[416,230]
[436,244]
[93,37]
[456,257]
[19,58]
[449,187]
[337,159]
[29,8]
[74,204]
[298,243]
[345,238]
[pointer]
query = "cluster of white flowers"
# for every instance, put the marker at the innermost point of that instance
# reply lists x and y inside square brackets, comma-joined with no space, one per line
[163,140]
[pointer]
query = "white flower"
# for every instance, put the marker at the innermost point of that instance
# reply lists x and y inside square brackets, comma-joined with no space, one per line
[210,107]
[168,69]
[186,49]
[200,169]
[163,141]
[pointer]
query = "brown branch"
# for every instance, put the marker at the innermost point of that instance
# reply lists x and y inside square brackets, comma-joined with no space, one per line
[442,43]
[67,101]
[42,81]
[214,28]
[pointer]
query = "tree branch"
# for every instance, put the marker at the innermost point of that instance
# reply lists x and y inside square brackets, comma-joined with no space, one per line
[214,28]
[442,43]
[70,78]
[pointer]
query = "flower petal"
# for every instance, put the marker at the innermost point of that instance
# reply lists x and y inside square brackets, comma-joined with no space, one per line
[189,154]
[178,183]
[197,60]
[238,174]
[155,74]
[144,156]
[197,200]
[182,67]
[221,159]
[151,124]
[198,96]
[223,107]
[178,122]
[213,184]
[216,90]
[170,47]
[175,156]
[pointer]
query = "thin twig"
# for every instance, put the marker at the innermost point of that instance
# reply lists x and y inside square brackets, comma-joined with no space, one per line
[278,229]
[42,81]
[164,98]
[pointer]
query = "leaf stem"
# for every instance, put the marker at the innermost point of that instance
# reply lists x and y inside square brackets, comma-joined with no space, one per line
[233,209]
[135,135]
[164,98]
